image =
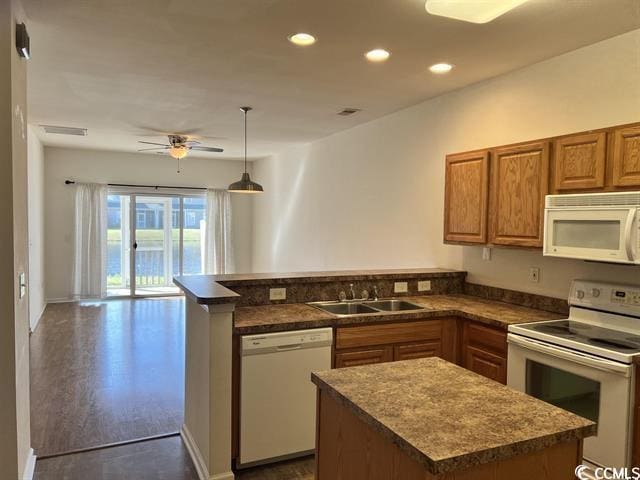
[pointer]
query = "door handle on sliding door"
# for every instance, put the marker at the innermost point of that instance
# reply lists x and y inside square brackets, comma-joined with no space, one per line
[135,245]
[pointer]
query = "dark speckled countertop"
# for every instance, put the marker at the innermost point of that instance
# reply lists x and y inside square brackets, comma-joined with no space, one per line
[448,418]
[282,317]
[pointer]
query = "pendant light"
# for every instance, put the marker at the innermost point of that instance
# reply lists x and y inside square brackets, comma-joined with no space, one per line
[245,185]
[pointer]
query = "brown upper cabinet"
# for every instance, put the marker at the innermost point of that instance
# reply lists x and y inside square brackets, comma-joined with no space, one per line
[579,161]
[496,196]
[519,183]
[466,194]
[626,157]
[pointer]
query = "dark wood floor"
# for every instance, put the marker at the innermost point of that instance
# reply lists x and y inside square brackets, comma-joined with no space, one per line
[165,459]
[106,372]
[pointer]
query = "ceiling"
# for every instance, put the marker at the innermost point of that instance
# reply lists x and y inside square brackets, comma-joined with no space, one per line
[124,69]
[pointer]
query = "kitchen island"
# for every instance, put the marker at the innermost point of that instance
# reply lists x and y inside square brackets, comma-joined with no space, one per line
[429,419]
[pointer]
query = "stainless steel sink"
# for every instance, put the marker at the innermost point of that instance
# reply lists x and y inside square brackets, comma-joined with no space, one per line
[364,308]
[344,308]
[393,305]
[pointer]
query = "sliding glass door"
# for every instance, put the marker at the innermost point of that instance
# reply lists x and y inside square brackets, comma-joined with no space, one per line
[151,238]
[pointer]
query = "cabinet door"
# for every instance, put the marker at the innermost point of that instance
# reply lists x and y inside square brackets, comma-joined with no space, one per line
[519,184]
[579,161]
[484,351]
[626,157]
[364,357]
[486,364]
[465,197]
[417,350]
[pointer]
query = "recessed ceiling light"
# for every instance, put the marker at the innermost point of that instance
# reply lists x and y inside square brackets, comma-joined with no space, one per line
[441,68]
[472,11]
[302,39]
[377,55]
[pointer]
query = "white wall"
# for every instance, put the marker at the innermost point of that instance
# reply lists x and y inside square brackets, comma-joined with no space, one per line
[117,167]
[35,202]
[373,196]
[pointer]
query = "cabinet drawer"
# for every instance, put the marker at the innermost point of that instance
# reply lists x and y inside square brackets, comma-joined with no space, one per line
[388,333]
[417,350]
[363,357]
[486,338]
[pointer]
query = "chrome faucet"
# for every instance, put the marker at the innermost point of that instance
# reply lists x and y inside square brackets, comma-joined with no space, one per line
[375,293]
[353,293]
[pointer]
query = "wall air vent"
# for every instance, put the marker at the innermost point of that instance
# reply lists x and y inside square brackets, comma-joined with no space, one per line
[81,132]
[615,199]
[348,111]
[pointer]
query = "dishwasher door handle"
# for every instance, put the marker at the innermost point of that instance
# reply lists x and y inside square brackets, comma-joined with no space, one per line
[286,348]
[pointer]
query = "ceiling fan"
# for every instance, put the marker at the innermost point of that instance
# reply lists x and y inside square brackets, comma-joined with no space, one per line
[178,147]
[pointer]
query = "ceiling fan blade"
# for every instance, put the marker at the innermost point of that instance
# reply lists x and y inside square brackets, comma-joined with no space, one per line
[206,149]
[192,142]
[156,148]
[153,143]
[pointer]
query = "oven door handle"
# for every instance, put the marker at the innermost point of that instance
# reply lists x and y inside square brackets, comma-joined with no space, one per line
[577,357]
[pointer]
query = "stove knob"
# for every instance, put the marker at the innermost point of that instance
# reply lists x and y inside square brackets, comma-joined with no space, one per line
[580,294]
[595,292]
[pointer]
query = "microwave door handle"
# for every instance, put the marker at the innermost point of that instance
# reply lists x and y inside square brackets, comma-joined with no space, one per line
[631,216]
[559,352]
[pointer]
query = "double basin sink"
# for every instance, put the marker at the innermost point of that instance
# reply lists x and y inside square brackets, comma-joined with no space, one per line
[366,307]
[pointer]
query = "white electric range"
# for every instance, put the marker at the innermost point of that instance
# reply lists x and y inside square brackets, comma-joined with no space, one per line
[584,364]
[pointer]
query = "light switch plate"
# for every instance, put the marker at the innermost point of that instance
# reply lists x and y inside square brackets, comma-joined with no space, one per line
[23,284]
[400,287]
[424,285]
[534,274]
[277,294]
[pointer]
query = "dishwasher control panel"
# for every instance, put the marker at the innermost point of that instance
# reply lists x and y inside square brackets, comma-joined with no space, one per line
[283,341]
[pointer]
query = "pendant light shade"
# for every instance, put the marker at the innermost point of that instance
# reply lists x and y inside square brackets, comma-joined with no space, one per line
[245,185]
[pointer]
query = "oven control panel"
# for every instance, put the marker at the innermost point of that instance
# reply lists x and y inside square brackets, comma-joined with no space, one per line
[606,296]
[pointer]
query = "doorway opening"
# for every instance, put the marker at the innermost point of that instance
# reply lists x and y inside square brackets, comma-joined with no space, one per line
[151,238]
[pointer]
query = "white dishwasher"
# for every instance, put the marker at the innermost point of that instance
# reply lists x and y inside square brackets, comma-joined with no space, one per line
[277,398]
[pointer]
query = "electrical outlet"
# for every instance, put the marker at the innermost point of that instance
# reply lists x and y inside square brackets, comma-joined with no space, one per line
[534,274]
[400,287]
[424,285]
[486,253]
[277,294]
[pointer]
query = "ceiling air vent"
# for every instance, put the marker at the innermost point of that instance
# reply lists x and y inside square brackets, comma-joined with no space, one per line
[348,111]
[81,132]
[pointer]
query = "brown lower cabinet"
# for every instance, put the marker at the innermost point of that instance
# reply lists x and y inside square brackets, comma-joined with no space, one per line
[484,350]
[387,342]
[473,345]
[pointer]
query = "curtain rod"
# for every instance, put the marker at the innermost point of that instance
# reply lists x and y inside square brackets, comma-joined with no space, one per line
[72,182]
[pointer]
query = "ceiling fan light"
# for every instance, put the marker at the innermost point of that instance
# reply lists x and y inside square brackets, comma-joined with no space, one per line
[473,11]
[245,185]
[178,152]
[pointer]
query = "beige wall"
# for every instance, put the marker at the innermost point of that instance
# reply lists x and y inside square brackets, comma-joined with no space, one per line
[35,167]
[136,168]
[14,322]
[372,196]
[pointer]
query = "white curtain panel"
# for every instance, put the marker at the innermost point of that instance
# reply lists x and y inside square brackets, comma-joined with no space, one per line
[218,255]
[90,249]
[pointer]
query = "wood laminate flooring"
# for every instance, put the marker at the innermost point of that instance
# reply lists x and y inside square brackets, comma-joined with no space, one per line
[164,459]
[105,372]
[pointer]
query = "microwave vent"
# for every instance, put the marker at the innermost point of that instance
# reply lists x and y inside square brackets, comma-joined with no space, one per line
[621,199]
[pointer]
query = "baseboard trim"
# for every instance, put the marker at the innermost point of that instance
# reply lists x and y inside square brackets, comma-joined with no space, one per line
[38,318]
[30,466]
[198,461]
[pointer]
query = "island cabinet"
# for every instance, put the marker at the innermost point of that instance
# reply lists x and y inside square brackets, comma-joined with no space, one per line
[519,184]
[484,350]
[413,421]
[466,197]
[387,342]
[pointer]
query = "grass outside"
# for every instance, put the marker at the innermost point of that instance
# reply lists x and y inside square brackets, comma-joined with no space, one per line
[190,235]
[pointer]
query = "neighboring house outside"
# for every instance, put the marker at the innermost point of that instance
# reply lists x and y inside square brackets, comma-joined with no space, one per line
[150,216]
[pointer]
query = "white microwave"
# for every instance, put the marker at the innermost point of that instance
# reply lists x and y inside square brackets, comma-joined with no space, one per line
[601,227]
